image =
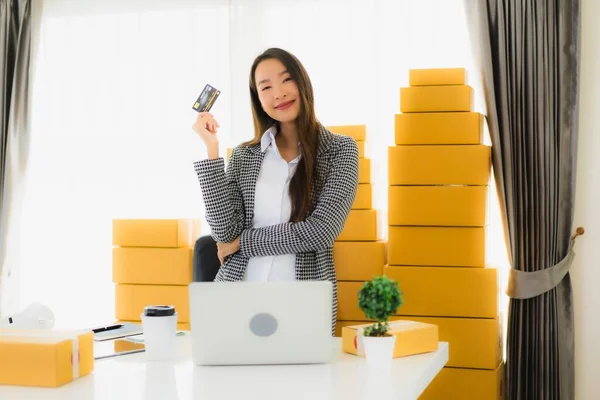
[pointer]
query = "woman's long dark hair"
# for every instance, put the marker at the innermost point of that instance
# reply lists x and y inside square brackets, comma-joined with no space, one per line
[307,125]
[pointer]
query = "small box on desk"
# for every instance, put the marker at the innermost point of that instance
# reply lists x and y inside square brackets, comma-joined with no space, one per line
[44,358]
[411,338]
[155,232]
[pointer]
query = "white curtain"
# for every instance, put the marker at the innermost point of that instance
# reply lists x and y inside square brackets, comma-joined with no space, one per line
[111,119]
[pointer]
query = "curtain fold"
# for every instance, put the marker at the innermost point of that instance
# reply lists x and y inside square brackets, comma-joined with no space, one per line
[15,42]
[528,53]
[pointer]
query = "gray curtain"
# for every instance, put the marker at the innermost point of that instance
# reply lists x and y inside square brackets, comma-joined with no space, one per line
[15,45]
[528,51]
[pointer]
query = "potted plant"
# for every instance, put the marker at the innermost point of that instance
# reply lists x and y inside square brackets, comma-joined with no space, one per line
[379,298]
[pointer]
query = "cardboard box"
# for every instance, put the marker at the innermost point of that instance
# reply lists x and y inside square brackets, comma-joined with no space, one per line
[411,338]
[152,266]
[360,226]
[438,205]
[44,358]
[466,384]
[358,132]
[130,300]
[155,232]
[443,292]
[439,165]
[361,148]
[437,76]
[348,301]
[358,261]
[364,170]
[364,197]
[439,128]
[473,342]
[436,98]
[436,246]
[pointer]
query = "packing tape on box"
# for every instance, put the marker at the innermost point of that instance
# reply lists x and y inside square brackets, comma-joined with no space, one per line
[360,349]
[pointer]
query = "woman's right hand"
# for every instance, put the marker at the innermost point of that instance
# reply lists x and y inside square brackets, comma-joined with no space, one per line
[206,127]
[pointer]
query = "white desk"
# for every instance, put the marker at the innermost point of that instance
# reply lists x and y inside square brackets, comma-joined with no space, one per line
[348,377]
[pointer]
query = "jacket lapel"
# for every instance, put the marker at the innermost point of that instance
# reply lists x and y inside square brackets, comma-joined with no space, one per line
[252,165]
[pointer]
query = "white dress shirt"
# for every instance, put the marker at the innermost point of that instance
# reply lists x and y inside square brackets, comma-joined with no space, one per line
[272,206]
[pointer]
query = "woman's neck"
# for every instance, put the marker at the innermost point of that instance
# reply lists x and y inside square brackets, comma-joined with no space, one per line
[287,141]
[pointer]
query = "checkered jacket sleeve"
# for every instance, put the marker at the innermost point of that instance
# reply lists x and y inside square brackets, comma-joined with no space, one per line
[320,229]
[222,196]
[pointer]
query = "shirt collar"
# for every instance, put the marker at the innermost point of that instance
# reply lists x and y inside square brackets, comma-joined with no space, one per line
[268,139]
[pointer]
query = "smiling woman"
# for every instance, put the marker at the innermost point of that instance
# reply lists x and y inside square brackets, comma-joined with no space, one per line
[112,86]
[283,200]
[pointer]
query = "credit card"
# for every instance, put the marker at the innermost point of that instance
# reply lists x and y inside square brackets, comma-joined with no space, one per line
[206,99]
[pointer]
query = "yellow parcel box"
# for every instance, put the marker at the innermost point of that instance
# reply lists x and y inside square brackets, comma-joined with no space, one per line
[44,358]
[446,291]
[437,76]
[364,197]
[473,342]
[130,300]
[364,170]
[411,338]
[155,232]
[358,261]
[436,98]
[438,205]
[439,128]
[466,384]
[439,165]
[152,266]
[358,132]
[360,226]
[436,246]
[361,148]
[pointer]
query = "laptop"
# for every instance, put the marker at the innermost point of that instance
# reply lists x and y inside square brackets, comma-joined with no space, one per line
[255,323]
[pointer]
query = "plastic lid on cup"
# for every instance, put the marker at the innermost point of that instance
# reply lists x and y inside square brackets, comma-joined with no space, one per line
[159,311]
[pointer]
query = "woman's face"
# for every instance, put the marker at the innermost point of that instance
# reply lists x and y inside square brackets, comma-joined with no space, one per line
[277,92]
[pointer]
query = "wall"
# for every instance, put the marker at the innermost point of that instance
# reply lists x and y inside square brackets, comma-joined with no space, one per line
[586,269]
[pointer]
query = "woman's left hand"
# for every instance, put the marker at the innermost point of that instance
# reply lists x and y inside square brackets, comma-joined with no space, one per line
[227,249]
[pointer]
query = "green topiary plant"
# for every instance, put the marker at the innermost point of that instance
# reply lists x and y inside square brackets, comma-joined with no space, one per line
[379,298]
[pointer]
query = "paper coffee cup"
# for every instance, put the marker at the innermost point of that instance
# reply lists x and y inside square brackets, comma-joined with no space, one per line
[159,323]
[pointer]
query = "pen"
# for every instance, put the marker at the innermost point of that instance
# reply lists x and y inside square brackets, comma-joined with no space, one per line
[108,328]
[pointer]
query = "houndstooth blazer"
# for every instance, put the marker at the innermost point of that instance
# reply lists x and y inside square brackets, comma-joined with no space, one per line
[229,201]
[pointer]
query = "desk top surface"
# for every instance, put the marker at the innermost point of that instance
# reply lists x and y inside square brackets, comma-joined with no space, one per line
[348,377]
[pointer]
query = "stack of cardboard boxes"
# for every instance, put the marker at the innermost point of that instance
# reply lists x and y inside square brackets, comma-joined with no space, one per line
[439,173]
[152,264]
[358,252]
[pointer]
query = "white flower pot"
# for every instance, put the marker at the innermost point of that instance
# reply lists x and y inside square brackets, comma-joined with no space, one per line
[379,351]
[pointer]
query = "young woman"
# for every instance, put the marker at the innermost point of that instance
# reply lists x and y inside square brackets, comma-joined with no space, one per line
[277,210]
